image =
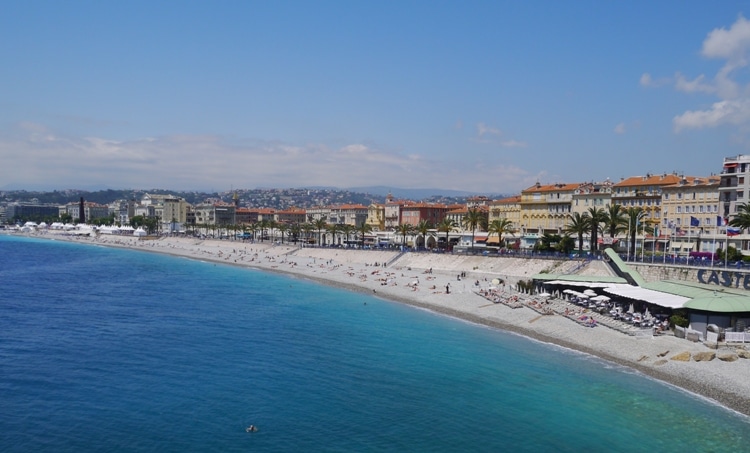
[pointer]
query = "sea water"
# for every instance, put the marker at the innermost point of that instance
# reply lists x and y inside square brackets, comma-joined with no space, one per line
[117,350]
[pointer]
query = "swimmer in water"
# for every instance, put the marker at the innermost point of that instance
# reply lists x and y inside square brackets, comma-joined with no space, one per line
[251,429]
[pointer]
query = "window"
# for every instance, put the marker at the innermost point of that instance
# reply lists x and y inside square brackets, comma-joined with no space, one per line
[679,209]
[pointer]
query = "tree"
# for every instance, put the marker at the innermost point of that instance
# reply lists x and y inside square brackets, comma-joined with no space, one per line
[423,227]
[307,228]
[364,229]
[404,230]
[447,226]
[334,229]
[579,225]
[742,218]
[283,228]
[499,227]
[347,230]
[635,216]
[320,225]
[596,216]
[295,230]
[615,221]
[474,219]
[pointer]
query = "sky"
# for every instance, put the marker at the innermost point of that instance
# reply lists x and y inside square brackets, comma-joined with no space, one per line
[481,96]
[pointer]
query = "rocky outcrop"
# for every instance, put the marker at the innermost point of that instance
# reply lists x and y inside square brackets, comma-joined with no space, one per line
[681,357]
[706,356]
[727,357]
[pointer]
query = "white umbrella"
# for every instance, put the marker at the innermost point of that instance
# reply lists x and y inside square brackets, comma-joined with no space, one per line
[601,298]
[495,281]
[544,294]
[631,310]
[590,292]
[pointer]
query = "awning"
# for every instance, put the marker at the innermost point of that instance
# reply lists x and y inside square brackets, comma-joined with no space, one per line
[648,295]
[732,165]
[586,284]
[683,245]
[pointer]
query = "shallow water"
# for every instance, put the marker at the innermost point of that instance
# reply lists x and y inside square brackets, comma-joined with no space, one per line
[117,350]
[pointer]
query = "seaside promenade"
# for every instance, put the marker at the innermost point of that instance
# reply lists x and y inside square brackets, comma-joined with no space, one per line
[459,286]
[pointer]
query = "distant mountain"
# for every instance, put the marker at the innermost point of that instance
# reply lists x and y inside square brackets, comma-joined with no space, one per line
[412,194]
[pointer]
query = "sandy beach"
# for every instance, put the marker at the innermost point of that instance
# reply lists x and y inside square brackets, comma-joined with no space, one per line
[452,285]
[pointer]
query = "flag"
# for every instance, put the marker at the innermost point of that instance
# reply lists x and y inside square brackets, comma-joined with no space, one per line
[731,231]
[680,232]
[694,221]
[719,221]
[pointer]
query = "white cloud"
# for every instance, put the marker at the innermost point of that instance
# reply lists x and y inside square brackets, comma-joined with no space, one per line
[723,112]
[620,128]
[483,129]
[733,104]
[514,144]
[693,86]
[207,162]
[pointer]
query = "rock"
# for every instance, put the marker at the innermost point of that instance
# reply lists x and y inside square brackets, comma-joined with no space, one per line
[682,357]
[660,362]
[662,354]
[728,357]
[706,356]
[743,354]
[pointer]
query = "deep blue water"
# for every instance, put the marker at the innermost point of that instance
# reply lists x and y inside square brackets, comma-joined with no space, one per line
[114,350]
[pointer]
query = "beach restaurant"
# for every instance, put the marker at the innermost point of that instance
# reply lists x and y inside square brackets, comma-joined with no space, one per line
[725,306]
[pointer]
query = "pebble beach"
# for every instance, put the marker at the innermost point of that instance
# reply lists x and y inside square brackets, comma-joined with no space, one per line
[457,286]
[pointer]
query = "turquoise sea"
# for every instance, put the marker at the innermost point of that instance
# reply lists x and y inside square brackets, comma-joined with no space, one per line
[116,350]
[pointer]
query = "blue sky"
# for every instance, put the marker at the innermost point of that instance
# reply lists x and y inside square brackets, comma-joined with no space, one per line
[487,97]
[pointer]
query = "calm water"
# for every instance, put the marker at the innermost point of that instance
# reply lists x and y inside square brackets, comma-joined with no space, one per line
[115,350]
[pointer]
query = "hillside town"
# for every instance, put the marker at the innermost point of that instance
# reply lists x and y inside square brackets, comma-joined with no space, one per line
[651,214]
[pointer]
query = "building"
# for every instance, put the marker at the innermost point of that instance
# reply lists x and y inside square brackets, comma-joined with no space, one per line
[546,208]
[31,211]
[174,214]
[414,213]
[291,216]
[393,212]
[644,192]
[91,210]
[376,216]
[734,187]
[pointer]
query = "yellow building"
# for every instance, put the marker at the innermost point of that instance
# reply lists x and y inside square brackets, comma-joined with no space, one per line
[376,216]
[546,208]
[690,213]
[507,209]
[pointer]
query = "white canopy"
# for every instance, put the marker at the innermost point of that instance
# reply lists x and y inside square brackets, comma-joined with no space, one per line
[648,295]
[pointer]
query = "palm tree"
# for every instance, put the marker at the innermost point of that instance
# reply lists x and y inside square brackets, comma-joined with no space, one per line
[579,225]
[334,229]
[404,230]
[742,218]
[473,219]
[635,218]
[423,227]
[447,225]
[364,229]
[348,231]
[499,227]
[294,230]
[596,216]
[283,228]
[616,220]
[307,228]
[320,225]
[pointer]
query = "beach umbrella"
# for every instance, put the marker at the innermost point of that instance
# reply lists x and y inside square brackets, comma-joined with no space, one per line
[601,298]
[590,292]
[544,294]
[631,310]
[495,281]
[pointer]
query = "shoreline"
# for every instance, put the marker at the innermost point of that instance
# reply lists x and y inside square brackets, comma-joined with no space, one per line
[410,282]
